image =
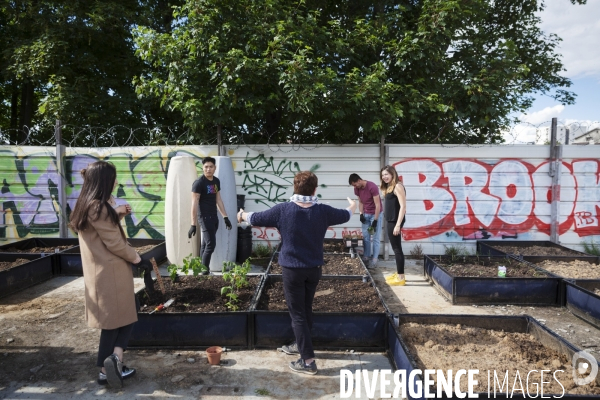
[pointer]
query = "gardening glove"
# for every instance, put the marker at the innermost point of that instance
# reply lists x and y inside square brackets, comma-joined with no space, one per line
[363,220]
[192,231]
[227,223]
[146,266]
[374,224]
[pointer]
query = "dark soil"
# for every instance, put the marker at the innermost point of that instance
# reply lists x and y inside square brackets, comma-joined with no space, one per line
[9,264]
[484,267]
[193,294]
[331,296]
[261,262]
[454,347]
[335,247]
[536,251]
[334,265]
[35,250]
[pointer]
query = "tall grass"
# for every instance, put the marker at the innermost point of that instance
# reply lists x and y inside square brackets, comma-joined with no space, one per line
[591,248]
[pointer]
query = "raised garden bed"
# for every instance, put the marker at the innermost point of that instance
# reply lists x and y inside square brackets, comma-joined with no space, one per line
[197,318]
[486,343]
[335,264]
[474,280]
[335,246]
[348,313]
[16,274]
[534,248]
[569,268]
[70,260]
[41,247]
[583,299]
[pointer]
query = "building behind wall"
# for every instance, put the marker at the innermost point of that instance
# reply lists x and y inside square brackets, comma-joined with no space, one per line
[590,137]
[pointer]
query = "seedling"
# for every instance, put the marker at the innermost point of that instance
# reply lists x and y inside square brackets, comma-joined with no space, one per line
[189,263]
[236,276]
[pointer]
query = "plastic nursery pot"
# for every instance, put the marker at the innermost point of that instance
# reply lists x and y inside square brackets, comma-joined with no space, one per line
[214,355]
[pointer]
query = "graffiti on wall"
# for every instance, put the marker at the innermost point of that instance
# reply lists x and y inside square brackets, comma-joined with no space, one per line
[29,194]
[480,201]
[268,180]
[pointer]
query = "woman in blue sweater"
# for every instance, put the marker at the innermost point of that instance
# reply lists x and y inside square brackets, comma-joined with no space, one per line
[302,223]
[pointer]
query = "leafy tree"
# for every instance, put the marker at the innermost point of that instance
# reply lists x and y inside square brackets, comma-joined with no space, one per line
[352,70]
[74,61]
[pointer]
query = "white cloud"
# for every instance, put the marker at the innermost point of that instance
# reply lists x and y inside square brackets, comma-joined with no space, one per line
[542,116]
[579,27]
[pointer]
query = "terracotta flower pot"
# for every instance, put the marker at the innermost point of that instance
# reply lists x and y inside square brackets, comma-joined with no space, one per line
[214,355]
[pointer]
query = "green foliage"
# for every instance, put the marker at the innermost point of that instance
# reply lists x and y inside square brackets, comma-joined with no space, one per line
[236,276]
[456,251]
[591,248]
[261,251]
[190,263]
[421,71]
[75,60]
[262,392]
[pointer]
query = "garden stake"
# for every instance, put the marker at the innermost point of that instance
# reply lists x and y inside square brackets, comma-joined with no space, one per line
[163,306]
[161,284]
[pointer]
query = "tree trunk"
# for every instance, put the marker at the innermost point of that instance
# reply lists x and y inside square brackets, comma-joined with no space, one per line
[14,113]
[27,97]
[273,120]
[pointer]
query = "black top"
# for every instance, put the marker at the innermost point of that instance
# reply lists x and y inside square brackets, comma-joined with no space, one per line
[392,208]
[208,194]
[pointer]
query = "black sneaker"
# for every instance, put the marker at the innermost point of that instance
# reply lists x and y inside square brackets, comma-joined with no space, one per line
[126,373]
[300,366]
[291,349]
[114,371]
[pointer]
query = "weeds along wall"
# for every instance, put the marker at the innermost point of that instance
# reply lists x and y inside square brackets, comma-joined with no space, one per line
[455,195]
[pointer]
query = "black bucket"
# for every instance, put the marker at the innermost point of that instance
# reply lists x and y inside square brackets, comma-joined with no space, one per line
[241,201]
[244,243]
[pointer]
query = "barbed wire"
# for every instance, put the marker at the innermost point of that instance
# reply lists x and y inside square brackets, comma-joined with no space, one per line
[174,136]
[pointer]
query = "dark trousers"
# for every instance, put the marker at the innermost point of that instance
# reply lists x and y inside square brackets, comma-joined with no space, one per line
[210,225]
[299,287]
[396,242]
[111,338]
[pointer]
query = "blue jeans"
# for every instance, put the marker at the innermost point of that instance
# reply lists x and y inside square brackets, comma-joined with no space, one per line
[376,235]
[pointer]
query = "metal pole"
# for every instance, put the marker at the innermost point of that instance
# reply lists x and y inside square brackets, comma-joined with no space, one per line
[386,239]
[219,143]
[553,130]
[62,189]
[555,206]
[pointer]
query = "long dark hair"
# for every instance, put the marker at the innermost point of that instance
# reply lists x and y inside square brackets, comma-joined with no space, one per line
[98,183]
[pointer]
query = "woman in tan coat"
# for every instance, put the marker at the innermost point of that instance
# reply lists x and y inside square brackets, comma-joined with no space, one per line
[107,257]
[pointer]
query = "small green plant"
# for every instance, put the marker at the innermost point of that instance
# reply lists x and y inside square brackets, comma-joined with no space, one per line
[261,251]
[417,252]
[591,248]
[262,392]
[236,276]
[189,263]
[455,251]
[371,230]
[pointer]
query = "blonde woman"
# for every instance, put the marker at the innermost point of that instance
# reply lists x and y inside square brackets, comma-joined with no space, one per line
[395,214]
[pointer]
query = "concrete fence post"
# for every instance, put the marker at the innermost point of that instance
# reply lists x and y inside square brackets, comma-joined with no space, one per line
[61,184]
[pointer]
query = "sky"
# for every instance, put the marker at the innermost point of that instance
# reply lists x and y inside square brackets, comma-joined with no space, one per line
[579,28]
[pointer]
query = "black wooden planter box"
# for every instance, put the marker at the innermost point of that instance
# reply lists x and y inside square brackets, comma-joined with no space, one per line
[534,260]
[333,331]
[39,269]
[365,271]
[582,301]
[475,290]
[195,330]
[42,242]
[404,360]
[494,248]
[70,260]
